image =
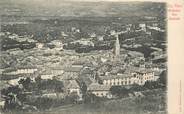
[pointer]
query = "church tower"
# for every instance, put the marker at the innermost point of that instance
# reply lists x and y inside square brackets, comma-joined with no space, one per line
[117,46]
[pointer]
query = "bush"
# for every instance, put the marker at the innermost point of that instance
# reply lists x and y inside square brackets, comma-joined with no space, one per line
[119,91]
[152,85]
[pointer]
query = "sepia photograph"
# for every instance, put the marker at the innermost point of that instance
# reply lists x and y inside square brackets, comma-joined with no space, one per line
[83,57]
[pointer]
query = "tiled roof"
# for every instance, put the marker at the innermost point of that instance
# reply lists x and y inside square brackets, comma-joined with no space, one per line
[157,73]
[73,69]
[73,85]
[98,87]
[136,54]
[118,76]
[132,69]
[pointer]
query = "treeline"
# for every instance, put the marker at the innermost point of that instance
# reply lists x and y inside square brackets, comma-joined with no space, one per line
[18,97]
[121,91]
[7,43]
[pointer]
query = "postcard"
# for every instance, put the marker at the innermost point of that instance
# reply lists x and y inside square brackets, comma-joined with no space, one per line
[92,57]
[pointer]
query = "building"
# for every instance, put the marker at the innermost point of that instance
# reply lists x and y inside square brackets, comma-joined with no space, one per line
[56,70]
[128,78]
[73,87]
[15,81]
[84,42]
[69,72]
[2,103]
[17,71]
[39,45]
[100,90]
[26,70]
[117,47]
[100,38]
[142,26]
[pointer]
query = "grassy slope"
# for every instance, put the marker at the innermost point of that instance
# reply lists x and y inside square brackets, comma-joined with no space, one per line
[152,103]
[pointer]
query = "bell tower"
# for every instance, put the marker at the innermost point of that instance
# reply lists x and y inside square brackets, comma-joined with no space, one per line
[117,47]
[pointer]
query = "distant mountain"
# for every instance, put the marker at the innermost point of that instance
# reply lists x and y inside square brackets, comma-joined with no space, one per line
[80,9]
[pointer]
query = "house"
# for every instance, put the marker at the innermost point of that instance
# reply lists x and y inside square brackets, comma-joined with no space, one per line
[75,30]
[73,68]
[15,81]
[39,45]
[112,32]
[142,26]
[71,72]
[57,70]
[129,77]
[20,70]
[26,70]
[2,103]
[100,90]
[46,75]
[2,33]
[84,42]
[63,34]
[73,87]
[100,38]
[57,43]
[50,95]
[157,74]
[92,35]
[51,72]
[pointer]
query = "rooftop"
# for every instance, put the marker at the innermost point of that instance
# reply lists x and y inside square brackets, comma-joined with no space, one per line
[111,76]
[98,87]
[73,69]
[132,69]
[73,85]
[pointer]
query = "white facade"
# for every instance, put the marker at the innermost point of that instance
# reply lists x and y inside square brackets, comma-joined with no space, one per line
[117,46]
[47,76]
[26,71]
[57,71]
[102,93]
[100,90]
[2,104]
[22,71]
[39,45]
[74,90]
[135,78]
[85,42]
[73,87]
[143,26]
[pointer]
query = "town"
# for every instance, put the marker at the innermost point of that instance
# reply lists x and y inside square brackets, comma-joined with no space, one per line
[51,64]
[88,67]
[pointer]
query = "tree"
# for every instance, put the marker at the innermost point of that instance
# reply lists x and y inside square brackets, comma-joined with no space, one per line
[152,85]
[10,94]
[115,90]
[119,91]
[91,98]
[137,87]
[83,88]
[163,78]
[38,79]
[72,98]
[25,83]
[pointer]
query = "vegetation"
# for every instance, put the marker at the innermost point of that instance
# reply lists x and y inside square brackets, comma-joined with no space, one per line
[16,96]
[119,91]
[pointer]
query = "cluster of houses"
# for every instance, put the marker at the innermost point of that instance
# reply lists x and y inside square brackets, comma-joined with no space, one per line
[17,71]
[133,75]
[69,74]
